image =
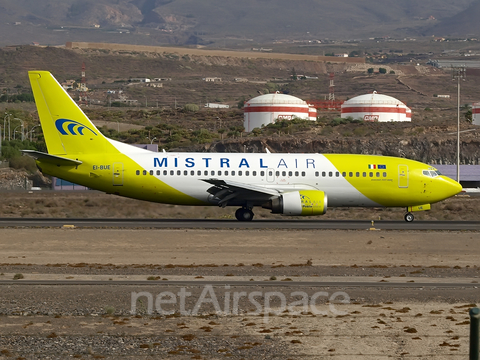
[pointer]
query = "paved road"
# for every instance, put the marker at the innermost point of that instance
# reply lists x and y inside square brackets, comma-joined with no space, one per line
[234,224]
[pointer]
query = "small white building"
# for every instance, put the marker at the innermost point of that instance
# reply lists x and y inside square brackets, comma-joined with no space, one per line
[145,80]
[216,106]
[212,79]
[376,107]
[266,109]
[68,84]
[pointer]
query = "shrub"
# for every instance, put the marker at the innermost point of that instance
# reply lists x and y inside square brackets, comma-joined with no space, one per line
[119,104]
[109,310]
[327,130]
[23,162]
[191,107]
[359,131]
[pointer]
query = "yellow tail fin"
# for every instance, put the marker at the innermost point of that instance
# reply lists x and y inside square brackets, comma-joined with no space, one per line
[67,130]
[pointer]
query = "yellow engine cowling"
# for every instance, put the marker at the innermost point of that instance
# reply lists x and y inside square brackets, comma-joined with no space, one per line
[299,203]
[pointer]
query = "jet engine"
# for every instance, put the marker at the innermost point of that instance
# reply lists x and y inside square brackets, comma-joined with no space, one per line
[299,203]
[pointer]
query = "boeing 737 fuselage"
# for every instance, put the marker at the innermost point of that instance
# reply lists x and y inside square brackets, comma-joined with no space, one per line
[289,184]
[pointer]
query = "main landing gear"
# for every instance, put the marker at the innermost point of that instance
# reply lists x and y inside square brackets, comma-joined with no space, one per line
[409,217]
[244,214]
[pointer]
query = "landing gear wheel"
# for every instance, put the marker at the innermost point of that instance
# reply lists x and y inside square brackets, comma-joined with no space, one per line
[244,214]
[409,217]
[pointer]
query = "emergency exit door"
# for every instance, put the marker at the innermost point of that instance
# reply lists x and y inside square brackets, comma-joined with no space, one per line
[117,174]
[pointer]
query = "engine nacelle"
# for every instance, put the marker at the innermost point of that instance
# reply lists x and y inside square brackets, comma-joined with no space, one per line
[299,203]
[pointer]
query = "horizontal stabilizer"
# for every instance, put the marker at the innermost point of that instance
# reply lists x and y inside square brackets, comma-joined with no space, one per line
[51,159]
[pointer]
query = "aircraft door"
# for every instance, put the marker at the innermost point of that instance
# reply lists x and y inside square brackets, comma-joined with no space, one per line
[270,175]
[117,174]
[403,176]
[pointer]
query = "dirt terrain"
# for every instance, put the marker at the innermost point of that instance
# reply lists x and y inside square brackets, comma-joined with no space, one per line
[371,322]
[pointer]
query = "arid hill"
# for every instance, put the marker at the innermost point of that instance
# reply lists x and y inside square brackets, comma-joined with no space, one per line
[221,24]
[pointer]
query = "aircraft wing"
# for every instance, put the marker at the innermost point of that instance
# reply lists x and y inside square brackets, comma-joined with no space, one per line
[225,190]
[52,159]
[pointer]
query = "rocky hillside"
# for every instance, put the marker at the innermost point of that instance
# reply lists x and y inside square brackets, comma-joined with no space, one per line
[14,180]
[428,147]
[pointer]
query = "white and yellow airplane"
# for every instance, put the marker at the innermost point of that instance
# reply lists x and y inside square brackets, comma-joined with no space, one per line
[289,184]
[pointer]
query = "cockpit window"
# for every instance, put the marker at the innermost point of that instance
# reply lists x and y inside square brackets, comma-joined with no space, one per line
[431,173]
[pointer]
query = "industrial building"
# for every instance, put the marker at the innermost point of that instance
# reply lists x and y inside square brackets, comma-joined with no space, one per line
[376,107]
[266,109]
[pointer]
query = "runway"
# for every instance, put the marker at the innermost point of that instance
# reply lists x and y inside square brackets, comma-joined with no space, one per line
[254,284]
[234,224]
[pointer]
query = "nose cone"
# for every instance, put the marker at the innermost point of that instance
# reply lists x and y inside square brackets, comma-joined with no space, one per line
[447,187]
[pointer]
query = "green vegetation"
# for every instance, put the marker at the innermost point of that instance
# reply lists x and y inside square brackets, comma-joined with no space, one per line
[191,107]
[110,310]
[327,130]
[11,153]
[469,116]
[286,127]
[16,98]
[241,102]
[11,149]
[119,104]
[340,121]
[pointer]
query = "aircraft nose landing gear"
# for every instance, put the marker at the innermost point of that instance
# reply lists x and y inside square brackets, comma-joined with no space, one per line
[244,214]
[409,217]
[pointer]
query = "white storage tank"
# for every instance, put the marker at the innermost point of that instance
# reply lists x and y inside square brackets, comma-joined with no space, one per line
[266,109]
[376,107]
[312,112]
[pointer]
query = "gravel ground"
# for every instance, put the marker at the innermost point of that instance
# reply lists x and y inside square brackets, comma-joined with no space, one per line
[93,322]
[68,321]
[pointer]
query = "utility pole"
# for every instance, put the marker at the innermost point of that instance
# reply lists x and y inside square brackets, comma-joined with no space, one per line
[83,88]
[459,73]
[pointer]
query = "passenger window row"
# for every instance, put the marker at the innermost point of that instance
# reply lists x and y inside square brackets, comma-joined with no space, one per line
[262,173]
[351,174]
